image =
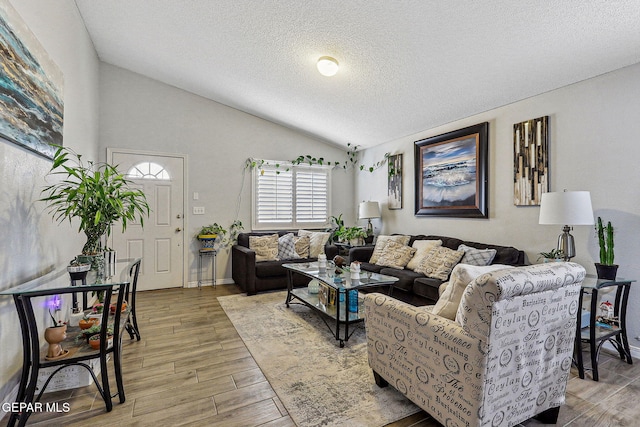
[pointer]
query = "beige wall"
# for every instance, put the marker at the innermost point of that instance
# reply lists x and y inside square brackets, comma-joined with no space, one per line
[594,130]
[31,243]
[139,113]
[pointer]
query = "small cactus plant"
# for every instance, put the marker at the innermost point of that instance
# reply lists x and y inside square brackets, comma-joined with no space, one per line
[605,240]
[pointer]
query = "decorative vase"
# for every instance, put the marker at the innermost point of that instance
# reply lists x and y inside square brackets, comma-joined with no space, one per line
[54,336]
[607,272]
[110,263]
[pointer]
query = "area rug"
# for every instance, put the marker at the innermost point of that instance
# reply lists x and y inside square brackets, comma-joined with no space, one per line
[319,383]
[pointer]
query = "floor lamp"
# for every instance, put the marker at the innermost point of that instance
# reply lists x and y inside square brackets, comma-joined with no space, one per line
[568,208]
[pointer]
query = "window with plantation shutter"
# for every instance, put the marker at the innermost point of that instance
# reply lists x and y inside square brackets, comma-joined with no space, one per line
[290,196]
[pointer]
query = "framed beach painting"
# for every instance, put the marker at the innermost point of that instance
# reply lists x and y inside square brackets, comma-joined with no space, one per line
[31,102]
[451,173]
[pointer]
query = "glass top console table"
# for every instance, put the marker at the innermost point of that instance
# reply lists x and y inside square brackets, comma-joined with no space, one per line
[76,351]
[597,333]
[336,299]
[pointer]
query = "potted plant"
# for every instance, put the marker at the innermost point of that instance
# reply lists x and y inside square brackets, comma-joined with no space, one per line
[54,335]
[553,255]
[208,235]
[606,269]
[337,229]
[354,235]
[97,194]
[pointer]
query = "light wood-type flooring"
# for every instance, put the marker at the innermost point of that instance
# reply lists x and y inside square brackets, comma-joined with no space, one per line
[192,368]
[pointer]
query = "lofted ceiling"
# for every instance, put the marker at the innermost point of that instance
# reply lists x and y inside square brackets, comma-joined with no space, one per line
[405,65]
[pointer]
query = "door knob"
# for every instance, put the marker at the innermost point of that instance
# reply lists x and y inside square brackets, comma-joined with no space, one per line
[178,229]
[178,216]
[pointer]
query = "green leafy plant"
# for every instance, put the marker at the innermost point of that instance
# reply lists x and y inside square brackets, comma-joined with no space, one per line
[552,254]
[95,193]
[212,229]
[605,241]
[350,233]
[351,160]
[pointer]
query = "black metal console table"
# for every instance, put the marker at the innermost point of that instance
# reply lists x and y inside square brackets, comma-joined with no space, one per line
[78,352]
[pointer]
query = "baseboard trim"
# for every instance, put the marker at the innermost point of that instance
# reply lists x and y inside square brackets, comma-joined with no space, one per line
[194,284]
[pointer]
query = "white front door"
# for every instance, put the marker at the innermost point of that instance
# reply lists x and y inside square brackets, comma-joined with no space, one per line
[160,243]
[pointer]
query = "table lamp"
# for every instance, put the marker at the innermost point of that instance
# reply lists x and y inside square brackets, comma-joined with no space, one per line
[368,210]
[568,208]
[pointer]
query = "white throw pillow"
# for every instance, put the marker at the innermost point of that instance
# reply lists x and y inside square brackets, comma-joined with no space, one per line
[381,241]
[423,247]
[317,240]
[461,276]
[395,255]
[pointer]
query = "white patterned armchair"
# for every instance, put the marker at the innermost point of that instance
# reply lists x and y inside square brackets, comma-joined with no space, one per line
[504,358]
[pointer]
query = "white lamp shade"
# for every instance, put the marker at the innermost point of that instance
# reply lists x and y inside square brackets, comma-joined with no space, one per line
[369,210]
[566,208]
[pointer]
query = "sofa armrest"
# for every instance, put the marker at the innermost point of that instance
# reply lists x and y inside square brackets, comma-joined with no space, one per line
[428,358]
[361,253]
[243,268]
[330,251]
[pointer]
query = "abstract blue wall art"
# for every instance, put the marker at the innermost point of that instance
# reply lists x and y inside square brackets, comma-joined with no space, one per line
[31,88]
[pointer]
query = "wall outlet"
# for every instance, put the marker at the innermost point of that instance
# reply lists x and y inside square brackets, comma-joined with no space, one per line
[198,210]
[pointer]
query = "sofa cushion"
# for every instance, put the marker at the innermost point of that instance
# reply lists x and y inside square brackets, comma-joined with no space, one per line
[406,277]
[367,266]
[265,247]
[302,244]
[287,248]
[427,287]
[395,255]
[461,276]
[479,257]
[317,240]
[423,247]
[439,262]
[382,240]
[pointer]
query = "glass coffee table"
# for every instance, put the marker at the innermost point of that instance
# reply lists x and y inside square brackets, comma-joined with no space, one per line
[337,298]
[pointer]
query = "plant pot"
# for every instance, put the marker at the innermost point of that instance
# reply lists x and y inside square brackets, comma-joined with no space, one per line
[607,272]
[54,336]
[97,266]
[112,307]
[94,341]
[208,240]
[87,323]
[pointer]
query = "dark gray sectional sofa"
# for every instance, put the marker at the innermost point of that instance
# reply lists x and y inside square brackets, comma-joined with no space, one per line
[418,289]
[253,277]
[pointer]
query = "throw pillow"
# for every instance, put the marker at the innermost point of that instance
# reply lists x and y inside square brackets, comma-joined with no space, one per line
[317,240]
[461,276]
[439,262]
[423,247]
[266,247]
[475,256]
[395,255]
[287,248]
[381,241]
[302,245]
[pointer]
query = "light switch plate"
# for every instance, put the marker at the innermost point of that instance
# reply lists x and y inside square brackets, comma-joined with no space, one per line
[198,210]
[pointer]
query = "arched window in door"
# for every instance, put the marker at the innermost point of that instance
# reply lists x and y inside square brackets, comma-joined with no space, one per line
[148,170]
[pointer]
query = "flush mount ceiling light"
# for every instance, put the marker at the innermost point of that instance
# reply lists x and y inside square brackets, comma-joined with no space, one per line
[327,66]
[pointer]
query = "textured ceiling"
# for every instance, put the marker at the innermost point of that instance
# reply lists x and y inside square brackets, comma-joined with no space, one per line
[405,66]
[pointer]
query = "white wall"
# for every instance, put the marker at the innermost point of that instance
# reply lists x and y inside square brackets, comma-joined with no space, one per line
[594,127]
[139,113]
[31,243]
